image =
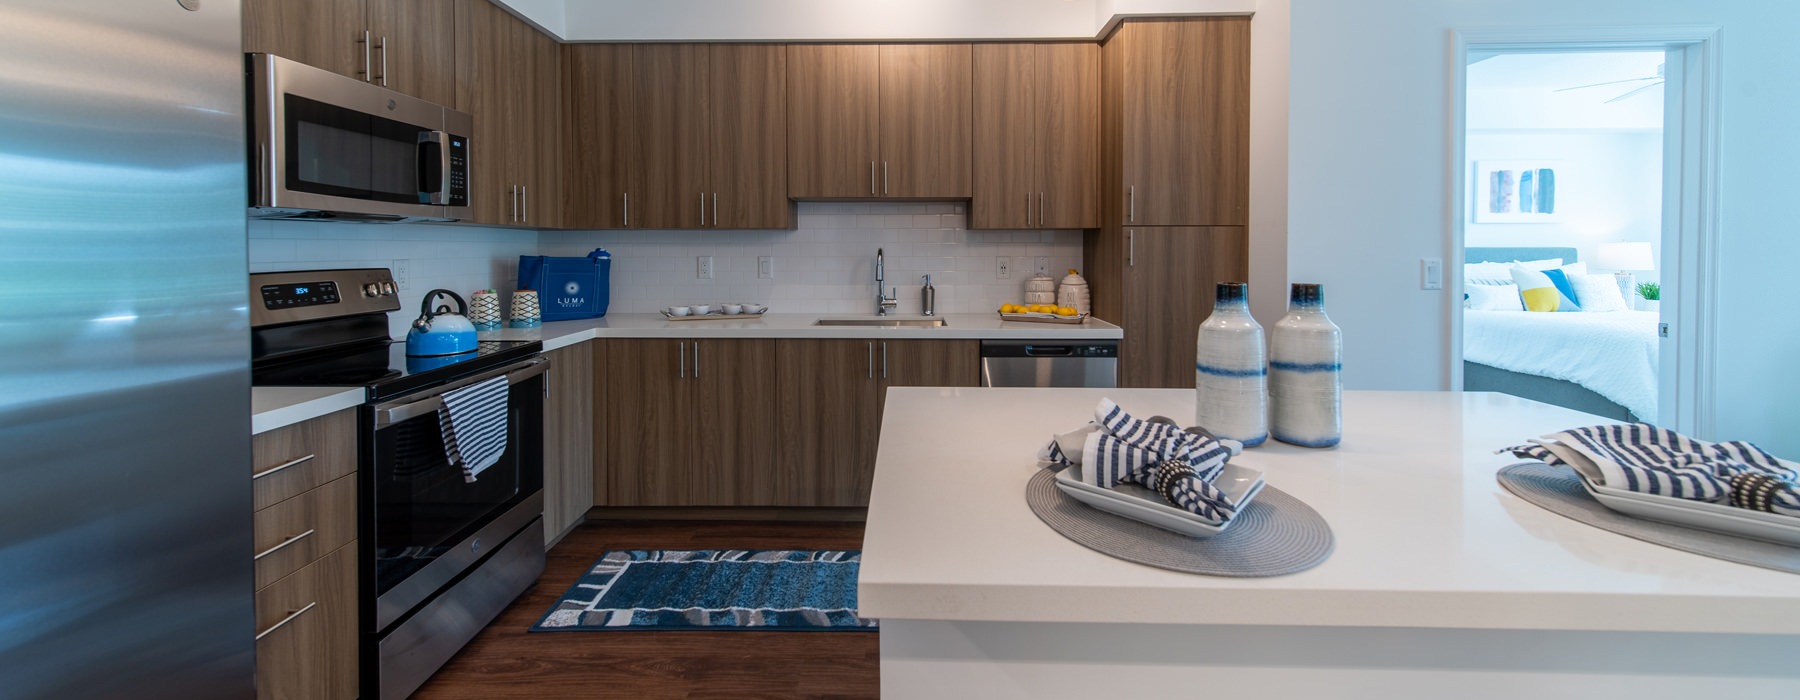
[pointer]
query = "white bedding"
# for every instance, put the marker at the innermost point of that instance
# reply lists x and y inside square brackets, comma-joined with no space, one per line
[1612,354]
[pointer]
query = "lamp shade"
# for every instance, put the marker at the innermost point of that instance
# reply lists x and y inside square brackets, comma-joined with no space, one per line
[1625,256]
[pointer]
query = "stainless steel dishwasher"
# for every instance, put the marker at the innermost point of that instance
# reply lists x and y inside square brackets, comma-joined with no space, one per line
[1092,363]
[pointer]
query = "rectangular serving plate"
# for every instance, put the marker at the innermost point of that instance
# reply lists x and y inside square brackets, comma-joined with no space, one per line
[1713,517]
[1044,318]
[712,317]
[1241,484]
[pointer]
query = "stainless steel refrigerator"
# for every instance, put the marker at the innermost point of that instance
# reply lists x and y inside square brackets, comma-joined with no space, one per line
[125,552]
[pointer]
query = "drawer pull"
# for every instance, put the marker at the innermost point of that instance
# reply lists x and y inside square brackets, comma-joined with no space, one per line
[288,541]
[285,620]
[277,468]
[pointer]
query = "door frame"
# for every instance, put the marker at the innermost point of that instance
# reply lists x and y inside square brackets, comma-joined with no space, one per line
[1691,185]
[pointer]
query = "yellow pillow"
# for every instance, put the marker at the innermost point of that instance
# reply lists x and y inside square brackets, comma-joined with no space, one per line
[1540,292]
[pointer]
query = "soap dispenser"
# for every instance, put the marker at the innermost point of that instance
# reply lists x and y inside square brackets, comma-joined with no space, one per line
[928,300]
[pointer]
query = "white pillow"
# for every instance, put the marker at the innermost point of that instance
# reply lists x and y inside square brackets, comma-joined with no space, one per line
[1495,297]
[1574,269]
[1501,272]
[1598,292]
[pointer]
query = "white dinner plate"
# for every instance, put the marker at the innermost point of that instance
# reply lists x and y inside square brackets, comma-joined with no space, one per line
[1240,484]
[1700,514]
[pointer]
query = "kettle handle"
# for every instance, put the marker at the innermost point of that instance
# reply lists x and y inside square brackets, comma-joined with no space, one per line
[425,312]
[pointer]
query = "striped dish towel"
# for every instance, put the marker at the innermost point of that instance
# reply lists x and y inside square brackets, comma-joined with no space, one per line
[1159,456]
[473,420]
[1643,458]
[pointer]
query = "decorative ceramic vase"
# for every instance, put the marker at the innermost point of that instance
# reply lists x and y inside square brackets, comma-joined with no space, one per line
[1306,360]
[525,310]
[1040,289]
[484,310]
[1073,293]
[1229,373]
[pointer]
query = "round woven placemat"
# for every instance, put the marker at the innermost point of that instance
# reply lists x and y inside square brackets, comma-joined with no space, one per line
[1275,535]
[1558,490]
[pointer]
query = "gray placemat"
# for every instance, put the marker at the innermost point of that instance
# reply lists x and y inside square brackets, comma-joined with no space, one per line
[1558,490]
[1275,535]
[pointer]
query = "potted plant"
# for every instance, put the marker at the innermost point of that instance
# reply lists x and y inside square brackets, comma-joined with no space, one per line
[1652,295]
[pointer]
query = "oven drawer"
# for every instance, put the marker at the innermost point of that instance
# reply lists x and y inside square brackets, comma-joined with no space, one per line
[306,644]
[299,530]
[292,460]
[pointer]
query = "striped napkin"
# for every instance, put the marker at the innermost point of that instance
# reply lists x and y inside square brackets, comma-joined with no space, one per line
[1120,449]
[1643,458]
[473,420]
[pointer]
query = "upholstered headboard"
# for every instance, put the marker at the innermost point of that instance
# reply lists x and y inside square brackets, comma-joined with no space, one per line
[1511,254]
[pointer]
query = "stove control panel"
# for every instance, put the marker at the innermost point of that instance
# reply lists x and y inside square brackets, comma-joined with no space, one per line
[309,295]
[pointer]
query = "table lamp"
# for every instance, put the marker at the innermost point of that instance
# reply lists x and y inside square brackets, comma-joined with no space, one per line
[1623,258]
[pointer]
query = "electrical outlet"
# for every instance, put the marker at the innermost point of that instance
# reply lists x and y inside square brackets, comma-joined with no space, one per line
[1001,272]
[402,270]
[765,267]
[703,267]
[1431,273]
[1042,267]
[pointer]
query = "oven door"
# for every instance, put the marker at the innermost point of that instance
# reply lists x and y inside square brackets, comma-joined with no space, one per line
[423,524]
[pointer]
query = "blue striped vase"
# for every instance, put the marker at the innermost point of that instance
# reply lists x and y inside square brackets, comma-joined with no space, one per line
[1306,367]
[1229,373]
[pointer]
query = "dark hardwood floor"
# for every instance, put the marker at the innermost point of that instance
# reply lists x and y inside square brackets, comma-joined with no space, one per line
[505,661]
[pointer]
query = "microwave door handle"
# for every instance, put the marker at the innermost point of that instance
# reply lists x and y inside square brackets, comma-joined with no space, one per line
[434,189]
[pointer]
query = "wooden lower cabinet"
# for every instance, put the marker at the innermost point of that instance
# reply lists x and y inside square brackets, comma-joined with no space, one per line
[568,440]
[306,644]
[831,395]
[688,422]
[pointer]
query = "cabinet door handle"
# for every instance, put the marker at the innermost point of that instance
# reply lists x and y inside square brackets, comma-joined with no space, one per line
[696,359]
[367,60]
[384,53]
[512,203]
[884,359]
[871,360]
[715,209]
[1027,210]
[1131,211]
[1041,221]
[285,620]
[284,544]
[524,205]
[702,208]
[284,465]
[884,179]
[681,357]
[1130,248]
[871,177]
[628,209]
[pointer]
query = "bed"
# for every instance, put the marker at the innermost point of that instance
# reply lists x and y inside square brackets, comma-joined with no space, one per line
[1603,363]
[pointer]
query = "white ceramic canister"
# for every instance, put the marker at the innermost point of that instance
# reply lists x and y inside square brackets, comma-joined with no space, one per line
[1306,362]
[1073,292]
[1230,397]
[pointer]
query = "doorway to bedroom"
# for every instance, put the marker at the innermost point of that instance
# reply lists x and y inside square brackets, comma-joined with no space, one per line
[1563,227]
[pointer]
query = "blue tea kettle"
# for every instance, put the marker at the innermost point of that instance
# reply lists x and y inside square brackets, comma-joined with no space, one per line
[441,332]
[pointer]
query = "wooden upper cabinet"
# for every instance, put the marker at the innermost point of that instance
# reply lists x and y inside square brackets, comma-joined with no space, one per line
[1183,120]
[926,120]
[1037,136]
[748,137]
[602,173]
[832,96]
[487,87]
[410,44]
[879,121]
[672,94]
[542,174]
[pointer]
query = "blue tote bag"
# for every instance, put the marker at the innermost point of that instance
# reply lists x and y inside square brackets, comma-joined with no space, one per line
[568,288]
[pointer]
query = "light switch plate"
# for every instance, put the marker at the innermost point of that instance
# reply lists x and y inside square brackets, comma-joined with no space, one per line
[765,267]
[1431,273]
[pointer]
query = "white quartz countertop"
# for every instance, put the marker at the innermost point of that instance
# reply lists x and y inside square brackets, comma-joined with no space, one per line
[1425,536]
[558,334]
[275,407]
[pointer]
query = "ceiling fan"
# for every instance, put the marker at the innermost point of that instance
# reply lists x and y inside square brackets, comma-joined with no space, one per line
[1648,82]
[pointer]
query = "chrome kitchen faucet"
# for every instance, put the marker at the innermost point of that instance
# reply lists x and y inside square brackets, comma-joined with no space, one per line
[883,303]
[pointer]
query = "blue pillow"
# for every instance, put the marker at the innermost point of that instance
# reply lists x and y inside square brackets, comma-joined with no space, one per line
[1561,280]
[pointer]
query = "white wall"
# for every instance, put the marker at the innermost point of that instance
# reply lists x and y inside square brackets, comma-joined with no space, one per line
[1608,186]
[827,264]
[1368,113]
[455,257]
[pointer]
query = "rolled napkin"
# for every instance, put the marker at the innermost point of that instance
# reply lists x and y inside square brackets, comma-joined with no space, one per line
[1643,458]
[1119,449]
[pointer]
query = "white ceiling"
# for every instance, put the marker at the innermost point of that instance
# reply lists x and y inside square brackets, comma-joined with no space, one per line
[1520,91]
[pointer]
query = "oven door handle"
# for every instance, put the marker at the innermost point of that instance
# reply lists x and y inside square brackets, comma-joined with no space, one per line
[390,413]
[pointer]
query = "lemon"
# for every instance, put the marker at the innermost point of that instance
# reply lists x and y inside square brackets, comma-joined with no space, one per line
[1066,311]
[1008,308]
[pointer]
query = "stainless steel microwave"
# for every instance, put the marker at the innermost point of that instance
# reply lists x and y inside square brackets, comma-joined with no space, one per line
[326,146]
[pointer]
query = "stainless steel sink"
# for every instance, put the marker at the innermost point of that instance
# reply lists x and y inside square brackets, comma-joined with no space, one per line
[883,322]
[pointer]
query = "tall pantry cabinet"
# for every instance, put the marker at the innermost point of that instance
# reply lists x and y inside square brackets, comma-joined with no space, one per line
[1175,122]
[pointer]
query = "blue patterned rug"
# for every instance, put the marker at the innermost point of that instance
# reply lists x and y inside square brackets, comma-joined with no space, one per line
[713,590]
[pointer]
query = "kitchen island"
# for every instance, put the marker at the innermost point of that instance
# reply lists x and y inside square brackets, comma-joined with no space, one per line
[1442,584]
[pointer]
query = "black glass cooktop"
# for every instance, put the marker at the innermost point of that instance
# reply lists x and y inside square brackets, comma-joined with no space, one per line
[385,369]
